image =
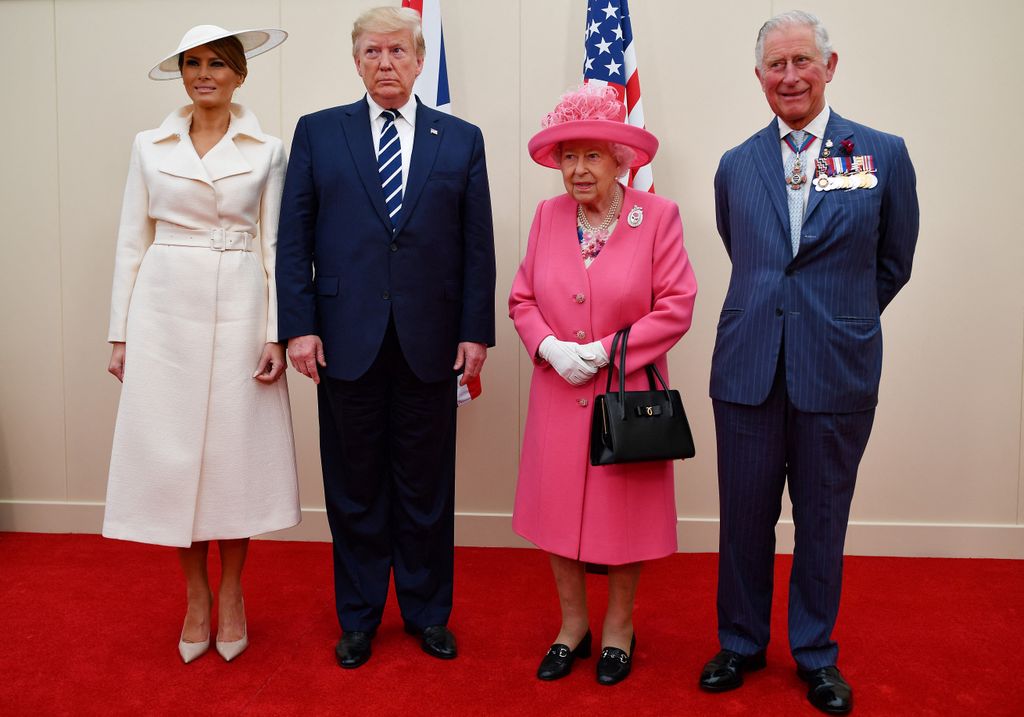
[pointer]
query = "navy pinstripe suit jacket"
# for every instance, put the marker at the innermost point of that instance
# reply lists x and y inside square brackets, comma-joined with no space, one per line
[856,249]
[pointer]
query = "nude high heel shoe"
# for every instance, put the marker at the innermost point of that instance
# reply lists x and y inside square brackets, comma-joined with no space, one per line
[231,650]
[192,650]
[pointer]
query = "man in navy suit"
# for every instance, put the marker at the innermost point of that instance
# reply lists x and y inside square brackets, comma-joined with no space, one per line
[819,216]
[385,281]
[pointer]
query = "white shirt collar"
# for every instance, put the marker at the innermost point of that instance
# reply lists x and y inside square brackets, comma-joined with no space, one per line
[816,126]
[408,110]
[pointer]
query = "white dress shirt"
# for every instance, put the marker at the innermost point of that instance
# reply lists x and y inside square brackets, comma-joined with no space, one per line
[816,127]
[406,126]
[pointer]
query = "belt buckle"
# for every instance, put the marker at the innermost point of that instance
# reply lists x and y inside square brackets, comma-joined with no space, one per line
[218,239]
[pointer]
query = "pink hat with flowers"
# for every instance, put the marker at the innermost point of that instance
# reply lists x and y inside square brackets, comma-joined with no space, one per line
[591,112]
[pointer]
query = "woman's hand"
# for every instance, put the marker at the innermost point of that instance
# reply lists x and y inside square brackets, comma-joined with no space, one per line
[565,358]
[271,364]
[116,365]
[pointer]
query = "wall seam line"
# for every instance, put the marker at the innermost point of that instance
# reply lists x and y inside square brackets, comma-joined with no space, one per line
[60,251]
[1020,435]
[519,243]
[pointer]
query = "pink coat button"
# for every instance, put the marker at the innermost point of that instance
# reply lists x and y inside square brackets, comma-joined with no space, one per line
[579,298]
[582,402]
[581,334]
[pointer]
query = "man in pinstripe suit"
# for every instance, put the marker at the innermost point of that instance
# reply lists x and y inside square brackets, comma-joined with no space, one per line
[819,216]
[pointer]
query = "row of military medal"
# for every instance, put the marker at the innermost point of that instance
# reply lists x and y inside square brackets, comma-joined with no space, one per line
[856,172]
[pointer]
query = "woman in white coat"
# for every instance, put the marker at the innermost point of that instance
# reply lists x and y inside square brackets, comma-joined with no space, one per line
[203,447]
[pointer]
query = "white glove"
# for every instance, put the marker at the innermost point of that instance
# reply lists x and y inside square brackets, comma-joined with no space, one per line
[594,354]
[565,359]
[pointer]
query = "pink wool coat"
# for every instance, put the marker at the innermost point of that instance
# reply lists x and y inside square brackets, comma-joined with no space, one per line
[609,514]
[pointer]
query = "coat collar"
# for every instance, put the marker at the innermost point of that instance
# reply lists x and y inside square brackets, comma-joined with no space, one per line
[428,132]
[223,160]
[837,130]
[768,160]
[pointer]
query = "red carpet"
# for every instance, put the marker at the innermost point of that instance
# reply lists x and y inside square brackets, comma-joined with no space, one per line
[90,626]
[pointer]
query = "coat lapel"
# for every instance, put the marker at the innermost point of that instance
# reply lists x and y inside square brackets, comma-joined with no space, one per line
[837,130]
[427,138]
[355,123]
[182,161]
[225,160]
[768,159]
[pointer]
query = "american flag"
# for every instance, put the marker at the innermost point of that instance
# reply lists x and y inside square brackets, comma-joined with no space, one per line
[611,60]
[432,84]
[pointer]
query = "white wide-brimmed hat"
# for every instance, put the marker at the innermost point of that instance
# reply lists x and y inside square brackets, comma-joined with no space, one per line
[254,42]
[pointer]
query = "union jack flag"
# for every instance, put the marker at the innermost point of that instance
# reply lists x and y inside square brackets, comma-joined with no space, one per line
[432,84]
[611,60]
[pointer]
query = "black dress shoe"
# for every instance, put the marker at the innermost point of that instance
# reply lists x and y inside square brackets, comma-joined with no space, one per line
[725,670]
[558,662]
[436,640]
[829,692]
[614,665]
[353,649]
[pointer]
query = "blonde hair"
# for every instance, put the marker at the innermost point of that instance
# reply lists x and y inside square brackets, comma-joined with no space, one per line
[389,19]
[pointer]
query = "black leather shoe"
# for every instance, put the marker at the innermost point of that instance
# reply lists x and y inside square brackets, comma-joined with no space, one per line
[829,692]
[558,662]
[437,641]
[725,670]
[614,665]
[353,649]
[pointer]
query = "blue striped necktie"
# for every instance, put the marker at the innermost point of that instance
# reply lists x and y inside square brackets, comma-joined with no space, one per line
[795,195]
[389,164]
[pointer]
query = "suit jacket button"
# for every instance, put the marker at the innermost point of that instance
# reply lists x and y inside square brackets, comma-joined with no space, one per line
[581,334]
[386,295]
[393,247]
[778,312]
[582,402]
[579,298]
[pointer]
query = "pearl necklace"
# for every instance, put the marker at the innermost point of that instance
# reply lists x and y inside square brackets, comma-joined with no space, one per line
[592,240]
[613,211]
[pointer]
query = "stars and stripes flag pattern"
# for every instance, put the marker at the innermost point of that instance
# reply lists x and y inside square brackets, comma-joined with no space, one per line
[611,60]
[432,84]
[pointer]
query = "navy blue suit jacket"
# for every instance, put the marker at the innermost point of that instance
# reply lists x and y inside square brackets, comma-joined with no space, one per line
[342,269]
[856,249]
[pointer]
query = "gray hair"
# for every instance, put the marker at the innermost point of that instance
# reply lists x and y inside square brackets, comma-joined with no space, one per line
[789,19]
[389,19]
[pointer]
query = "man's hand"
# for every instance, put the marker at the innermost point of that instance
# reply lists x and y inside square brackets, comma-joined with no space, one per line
[471,355]
[306,352]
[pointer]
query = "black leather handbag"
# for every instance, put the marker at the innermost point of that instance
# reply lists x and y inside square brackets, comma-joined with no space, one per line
[633,426]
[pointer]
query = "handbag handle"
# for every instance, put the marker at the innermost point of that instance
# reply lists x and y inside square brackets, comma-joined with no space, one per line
[651,369]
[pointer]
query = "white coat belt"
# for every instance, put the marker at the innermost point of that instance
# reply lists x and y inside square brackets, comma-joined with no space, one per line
[213,239]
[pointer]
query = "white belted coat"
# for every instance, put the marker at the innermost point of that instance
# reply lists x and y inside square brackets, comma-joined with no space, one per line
[201,449]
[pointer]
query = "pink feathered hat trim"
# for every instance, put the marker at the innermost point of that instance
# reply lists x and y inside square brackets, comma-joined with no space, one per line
[591,112]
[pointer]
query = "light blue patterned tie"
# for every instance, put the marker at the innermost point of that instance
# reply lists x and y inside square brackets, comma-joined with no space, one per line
[389,165]
[796,196]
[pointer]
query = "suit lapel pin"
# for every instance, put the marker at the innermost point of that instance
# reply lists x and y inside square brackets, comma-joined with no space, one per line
[828,148]
[433,131]
[636,216]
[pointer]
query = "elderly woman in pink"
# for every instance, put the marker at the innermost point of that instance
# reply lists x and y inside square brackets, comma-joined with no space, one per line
[600,257]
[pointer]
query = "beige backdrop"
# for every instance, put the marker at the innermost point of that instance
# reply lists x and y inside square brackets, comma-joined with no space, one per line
[942,474]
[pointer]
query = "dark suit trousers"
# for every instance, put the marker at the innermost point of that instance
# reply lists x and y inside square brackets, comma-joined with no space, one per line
[760,450]
[387,445]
